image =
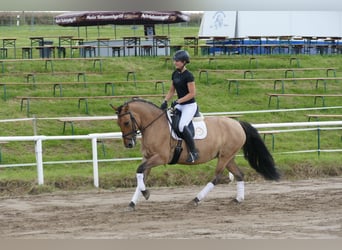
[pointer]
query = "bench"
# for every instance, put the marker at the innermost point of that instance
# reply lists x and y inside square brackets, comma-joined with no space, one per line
[281,81]
[317,116]
[52,60]
[209,58]
[85,83]
[322,96]
[252,71]
[26,52]
[111,84]
[83,50]
[32,75]
[80,99]
[271,133]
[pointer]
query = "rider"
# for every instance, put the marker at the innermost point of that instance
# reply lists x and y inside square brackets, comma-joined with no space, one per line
[183,82]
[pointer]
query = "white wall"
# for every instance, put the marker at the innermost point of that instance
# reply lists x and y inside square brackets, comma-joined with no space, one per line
[274,23]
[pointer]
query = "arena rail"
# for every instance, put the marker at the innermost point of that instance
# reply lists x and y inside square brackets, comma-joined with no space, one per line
[38,139]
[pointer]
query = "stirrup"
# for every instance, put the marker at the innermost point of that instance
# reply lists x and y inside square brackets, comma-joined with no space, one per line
[193,156]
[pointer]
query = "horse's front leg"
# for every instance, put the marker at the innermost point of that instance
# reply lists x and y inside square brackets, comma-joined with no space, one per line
[141,175]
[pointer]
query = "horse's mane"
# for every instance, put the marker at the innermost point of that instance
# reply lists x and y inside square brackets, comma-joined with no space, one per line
[136,100]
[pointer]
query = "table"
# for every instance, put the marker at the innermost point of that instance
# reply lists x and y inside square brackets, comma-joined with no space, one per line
[308,43]
[75,42]
[285,43]
[254,43]
[334,43]
[9,42]
[191,42]
[102,42]
[160,42]
[131,42]
[218,42]
[36,40]
[63,40]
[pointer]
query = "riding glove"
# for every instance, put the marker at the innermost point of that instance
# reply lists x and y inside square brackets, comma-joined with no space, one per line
[163,106]
[174,103]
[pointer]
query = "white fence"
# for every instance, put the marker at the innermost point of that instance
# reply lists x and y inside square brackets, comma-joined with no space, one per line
[95,137]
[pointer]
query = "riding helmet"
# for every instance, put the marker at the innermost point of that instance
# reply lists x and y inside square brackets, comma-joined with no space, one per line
[182,55]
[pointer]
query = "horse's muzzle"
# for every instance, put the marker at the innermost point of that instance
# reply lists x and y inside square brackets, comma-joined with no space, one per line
[130,143]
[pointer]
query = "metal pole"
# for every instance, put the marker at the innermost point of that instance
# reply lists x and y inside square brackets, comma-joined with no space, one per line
[318,141]
[95,163]
[34,121]
[39,159]
[114,31]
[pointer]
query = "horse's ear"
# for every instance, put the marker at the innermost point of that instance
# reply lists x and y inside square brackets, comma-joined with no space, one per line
[115,108]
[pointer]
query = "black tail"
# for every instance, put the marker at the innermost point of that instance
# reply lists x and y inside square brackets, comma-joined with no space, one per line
[257,154]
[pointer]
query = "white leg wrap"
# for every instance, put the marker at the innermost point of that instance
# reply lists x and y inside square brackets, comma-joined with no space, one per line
[240,186]
[140,182]
[136,195]
[205,191]
[231,176]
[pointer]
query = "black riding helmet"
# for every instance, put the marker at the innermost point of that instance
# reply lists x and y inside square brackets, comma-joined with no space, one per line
[181,55]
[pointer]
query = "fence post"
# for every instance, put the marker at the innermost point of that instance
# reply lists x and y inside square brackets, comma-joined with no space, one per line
[318,141]
[39,160]
[95,163]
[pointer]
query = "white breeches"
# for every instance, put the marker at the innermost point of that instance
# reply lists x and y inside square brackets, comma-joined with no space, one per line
[188,112]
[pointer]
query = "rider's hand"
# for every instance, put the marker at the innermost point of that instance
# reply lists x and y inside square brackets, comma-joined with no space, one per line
[174,103]
[163,106]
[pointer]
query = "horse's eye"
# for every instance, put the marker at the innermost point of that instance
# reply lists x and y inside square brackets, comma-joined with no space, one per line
[126,123]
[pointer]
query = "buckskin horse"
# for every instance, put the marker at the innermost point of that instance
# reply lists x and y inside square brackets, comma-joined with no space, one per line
[225,137]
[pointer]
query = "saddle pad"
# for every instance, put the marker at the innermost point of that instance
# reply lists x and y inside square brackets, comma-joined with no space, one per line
[199,127]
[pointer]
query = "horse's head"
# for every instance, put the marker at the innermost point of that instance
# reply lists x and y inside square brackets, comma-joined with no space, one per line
[128,125]
[134,117]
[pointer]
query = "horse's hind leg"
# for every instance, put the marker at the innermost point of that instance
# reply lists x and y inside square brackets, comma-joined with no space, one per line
[240,184]
[221,163]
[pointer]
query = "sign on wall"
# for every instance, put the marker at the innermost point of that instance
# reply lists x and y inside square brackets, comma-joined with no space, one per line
[218,23]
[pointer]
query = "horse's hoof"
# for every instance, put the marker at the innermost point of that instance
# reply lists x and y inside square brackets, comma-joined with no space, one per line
[236,201]
[130,208]
[193,203]
[146,194]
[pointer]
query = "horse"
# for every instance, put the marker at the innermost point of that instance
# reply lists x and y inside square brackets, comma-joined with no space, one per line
[225,137]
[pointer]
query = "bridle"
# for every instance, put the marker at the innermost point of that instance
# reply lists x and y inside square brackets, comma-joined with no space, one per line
[136,130]
[135,127]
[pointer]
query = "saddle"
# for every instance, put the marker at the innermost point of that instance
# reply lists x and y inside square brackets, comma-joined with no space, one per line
[197,126]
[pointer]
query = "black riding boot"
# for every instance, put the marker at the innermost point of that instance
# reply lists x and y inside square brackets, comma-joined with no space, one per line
[193,154]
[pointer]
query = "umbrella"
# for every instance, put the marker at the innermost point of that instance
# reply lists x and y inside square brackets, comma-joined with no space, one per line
[96,18]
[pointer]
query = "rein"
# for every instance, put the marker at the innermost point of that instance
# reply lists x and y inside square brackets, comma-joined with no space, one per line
[136,130]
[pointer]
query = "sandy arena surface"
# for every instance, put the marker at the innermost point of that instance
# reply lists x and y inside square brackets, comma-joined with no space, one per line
[310,209]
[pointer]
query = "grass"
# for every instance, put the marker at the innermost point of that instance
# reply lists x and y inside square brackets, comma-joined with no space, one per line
[213,97]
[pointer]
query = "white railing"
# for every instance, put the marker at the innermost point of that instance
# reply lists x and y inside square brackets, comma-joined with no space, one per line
[95,137]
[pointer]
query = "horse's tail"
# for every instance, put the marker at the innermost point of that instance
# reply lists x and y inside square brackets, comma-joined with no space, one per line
[257,154]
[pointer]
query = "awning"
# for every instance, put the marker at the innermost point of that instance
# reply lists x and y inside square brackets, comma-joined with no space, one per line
[93,18]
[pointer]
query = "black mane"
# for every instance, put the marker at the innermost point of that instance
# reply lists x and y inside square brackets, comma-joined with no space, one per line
[135,100]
